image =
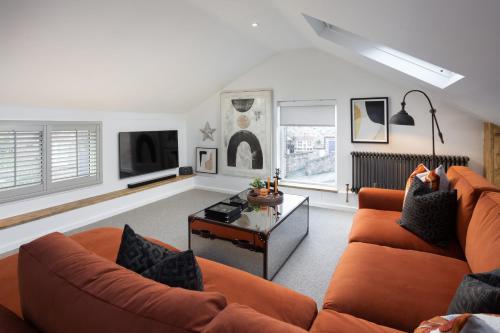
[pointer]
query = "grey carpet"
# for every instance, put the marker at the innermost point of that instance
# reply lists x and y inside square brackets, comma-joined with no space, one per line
[308,270]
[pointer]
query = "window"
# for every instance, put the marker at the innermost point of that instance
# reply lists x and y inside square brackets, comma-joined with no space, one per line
[436,75]
[307,142]
[39,158]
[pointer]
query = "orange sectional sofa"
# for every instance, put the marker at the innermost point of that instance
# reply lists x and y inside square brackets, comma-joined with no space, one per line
[387,280]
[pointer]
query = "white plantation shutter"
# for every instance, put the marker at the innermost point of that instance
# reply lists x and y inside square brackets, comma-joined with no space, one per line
[73,155]
[21,160]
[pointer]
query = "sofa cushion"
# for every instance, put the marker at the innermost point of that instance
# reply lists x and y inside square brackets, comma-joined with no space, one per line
[66,288]
[483,236]
[478,293]
[137,253]
[429,214]
[11,323]
[380,227]
[178,269]
[9,293]
[393,287]
[236,318]
[469,186]
[329,321]
[264,296]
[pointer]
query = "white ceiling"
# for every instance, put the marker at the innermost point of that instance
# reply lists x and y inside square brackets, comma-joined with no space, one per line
[168,56]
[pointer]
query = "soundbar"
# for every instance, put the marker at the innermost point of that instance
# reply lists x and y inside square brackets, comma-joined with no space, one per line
[150,181]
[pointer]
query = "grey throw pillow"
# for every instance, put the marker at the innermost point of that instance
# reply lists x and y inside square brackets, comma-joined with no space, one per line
[429,214]
[478,293]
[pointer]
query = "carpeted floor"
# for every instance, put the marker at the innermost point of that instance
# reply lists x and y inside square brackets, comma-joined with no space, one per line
[308,270]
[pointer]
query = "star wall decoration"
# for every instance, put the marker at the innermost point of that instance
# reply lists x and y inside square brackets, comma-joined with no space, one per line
[208,132]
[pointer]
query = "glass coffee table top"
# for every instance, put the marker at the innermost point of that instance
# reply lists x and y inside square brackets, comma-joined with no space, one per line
[259,218]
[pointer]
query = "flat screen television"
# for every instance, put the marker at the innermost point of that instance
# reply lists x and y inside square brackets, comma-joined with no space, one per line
[146,152]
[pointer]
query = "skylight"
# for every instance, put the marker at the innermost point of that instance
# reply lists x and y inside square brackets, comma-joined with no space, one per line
[418,68]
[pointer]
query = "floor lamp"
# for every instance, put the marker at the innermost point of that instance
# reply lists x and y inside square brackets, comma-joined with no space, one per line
[403,118]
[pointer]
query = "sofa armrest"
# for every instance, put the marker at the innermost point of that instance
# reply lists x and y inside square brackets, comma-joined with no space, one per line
[379,198]
[11,323]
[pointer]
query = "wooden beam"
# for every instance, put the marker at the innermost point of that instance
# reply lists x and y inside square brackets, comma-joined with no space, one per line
[50,211]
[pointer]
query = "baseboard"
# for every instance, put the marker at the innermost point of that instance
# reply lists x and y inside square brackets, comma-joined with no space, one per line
[96,218]
[339,207]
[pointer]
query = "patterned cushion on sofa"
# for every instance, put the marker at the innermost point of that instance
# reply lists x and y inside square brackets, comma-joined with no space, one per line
[175,269]
[478,293]
[429,214]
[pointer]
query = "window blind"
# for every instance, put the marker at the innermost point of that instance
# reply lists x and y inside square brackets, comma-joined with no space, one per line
[21,158]
[73,154]
[307,113]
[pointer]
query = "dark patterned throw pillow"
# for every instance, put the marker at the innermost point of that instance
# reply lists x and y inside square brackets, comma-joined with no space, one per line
[177,270]
[429,214]
[137,253]
[478,293]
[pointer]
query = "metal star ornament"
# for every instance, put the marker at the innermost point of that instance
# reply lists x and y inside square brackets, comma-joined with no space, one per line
[208,132]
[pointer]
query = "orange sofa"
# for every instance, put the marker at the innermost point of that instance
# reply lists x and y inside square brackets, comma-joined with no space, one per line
[386,283]
[389,276]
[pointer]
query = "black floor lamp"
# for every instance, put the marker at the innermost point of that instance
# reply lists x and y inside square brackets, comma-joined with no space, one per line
[403,118]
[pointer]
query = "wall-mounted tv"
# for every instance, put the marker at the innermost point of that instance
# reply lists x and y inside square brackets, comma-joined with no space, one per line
[145,152]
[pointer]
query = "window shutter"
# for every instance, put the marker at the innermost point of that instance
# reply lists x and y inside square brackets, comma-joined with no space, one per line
[74,155]
[21,161]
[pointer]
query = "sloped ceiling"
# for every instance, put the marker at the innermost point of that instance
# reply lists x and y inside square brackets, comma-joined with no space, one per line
[168,56]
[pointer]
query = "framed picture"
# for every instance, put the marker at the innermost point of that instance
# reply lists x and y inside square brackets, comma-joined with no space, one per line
[206,160]
[369,120]
[246,133]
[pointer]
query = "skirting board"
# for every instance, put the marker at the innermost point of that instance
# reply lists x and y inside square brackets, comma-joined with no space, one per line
[118,208]
[344,208]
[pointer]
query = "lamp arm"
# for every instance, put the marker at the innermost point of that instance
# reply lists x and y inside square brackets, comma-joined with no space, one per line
[420,91]
[433,111]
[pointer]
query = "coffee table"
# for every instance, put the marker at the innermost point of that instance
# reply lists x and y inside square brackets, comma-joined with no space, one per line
[259,242]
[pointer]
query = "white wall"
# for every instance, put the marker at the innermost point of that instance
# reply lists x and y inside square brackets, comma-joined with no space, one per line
[112,123]
[312,74]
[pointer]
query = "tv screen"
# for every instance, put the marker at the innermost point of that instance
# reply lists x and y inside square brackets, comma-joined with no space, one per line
[145,152]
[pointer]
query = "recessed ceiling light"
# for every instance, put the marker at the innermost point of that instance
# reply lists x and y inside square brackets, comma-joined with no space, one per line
[255,24]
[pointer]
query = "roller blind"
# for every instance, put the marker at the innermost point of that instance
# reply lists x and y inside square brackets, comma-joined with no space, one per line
[74,154]
[307,113]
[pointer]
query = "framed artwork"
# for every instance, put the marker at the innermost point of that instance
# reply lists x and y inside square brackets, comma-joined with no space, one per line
[206,160]
[369,120]
[246,133]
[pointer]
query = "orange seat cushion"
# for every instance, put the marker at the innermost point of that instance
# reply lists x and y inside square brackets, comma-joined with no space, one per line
[9,291]
[264,296]
[237,318]
[393,287]
[483,237]
[469,186]
[379,227]
[329,321]
[66,288]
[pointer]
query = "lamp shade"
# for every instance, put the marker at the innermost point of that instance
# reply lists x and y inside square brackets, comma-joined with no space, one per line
[402,118]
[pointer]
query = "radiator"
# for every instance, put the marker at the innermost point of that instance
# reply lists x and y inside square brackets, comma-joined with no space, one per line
[387,170]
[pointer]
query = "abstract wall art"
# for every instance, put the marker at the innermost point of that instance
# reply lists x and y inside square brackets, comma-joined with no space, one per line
[246,129]
[206,160]
[369,120]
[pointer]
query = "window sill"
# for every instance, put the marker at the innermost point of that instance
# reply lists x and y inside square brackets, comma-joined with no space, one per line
[316,187]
